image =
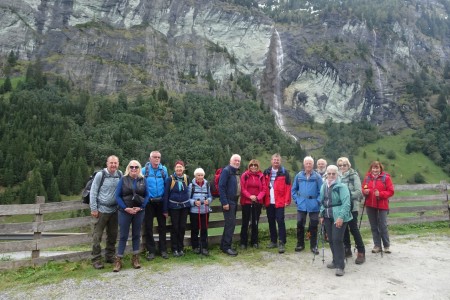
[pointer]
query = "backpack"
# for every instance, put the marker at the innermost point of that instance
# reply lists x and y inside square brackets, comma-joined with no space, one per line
[383,179]
[215,186]
[86,194]
[193,189]
[147,171]
[172,184]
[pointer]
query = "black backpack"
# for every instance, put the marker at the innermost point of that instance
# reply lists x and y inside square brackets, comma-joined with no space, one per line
[86,194]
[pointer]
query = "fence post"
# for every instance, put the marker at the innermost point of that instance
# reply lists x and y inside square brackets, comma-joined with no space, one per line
[38,219]
[444,189]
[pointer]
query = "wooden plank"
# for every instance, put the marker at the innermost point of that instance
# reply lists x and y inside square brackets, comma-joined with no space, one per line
[69,240]
[437,197]
[54,225]
[412,209]
[17,246]
[19,209]
[418,187]
[9,228]
[62,206]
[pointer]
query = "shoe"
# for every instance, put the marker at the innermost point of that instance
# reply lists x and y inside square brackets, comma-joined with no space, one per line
[164,255]
[197,250]
[272,245]
[376,249]
[331,266]
[339,272]
[230,252]
[315,251]
[360,258]
[117,264]
[150,256]
[348,252]
[281,248]
[135,261]
[181,253]
[387,250]
[256,246]
[299,248]
[175,253]
[243,247]
[205,252]
[98,265]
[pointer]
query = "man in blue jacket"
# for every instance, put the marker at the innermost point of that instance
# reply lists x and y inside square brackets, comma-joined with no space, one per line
[305,193]
[155,174]
[229,190]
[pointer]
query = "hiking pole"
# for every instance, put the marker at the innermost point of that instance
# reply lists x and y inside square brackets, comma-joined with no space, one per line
[200,229]
[362,213]
[317,243]
[323,243]
[378,225]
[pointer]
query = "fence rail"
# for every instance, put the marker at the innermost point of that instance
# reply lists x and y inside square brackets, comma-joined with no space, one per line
[436,208]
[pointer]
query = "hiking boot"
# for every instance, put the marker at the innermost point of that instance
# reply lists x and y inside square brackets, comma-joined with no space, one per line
[197,250]
[181,253]
[150,256]
[340,272]
[109,260]
[348,252]
[360,258]
[387,250]
[117,264]
[175,253]
[205,252]
[135,261]
[281,248]
[331,266]
[376,249]
[164,255]
[272,245]
[315,251]
[299,248]
[256,246]
[98,265]
[243,247]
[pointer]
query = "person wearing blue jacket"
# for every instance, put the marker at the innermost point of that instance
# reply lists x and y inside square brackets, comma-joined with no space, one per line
[132,197]
[305,193]
[155,175]
[176,204]
[335,213]
[200,200]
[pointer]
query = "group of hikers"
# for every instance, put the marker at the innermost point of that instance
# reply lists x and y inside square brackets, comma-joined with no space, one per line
[329,195]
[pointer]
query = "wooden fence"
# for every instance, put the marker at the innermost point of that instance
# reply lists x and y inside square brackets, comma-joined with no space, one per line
[42,235]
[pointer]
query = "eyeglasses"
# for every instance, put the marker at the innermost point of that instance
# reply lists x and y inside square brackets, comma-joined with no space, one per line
[253,165]
[343,165]
[157,157]
[134,167]
[331,174]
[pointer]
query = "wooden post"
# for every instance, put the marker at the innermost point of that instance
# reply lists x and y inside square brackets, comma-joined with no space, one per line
[38,219]
[444,189]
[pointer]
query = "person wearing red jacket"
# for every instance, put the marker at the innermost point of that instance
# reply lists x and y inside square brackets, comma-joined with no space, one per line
[252,196]
[278,196]
[377,188]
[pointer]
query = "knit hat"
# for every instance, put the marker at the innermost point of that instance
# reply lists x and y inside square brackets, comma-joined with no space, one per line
[179,162]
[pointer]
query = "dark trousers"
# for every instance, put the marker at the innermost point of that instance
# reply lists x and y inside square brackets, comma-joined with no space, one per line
[378,226]
[152,210]
[276,216]
[178,218]
[313,227]
[201,227]
[125,221]
[353,228]
[250,212]
[110,222]
[229,217]
[336,239]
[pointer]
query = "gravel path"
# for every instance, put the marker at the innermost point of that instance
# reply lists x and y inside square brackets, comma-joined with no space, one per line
[417,269]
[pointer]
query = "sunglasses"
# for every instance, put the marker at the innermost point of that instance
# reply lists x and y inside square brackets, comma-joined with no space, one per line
[253,165]
[331,174]
[343,165]
[134,167]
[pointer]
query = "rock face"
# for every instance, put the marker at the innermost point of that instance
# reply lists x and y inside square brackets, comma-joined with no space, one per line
[332,67]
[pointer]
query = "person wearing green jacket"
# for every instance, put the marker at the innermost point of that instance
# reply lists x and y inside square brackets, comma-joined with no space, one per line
[334,215]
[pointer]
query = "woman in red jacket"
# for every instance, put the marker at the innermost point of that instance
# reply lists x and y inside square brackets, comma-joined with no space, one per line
[377,187]
[252,197]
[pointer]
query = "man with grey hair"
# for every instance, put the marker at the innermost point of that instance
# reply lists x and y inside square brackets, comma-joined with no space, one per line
[321,167]
[305,193]
[103,207]
[230,190]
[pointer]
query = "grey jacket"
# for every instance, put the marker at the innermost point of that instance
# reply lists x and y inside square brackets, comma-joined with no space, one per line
[104,200]
[353,182]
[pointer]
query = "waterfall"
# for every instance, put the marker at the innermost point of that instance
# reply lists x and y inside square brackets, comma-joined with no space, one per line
[378,79]
[277,93]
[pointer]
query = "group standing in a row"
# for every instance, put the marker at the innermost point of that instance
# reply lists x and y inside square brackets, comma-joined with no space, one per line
[330,196]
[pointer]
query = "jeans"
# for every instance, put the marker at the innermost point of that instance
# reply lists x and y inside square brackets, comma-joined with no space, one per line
[353,228]
[250,212]
[276,215]
[228,228]
[155,210]
[125,220]
[201,227]
[378,226]
[110,222]
[336,239]
[178,217]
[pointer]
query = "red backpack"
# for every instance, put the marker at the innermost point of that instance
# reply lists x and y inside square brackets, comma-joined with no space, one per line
[215,186]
